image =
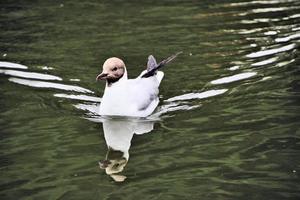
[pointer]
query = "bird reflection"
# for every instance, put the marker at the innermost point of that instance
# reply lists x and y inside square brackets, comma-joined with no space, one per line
[118,133]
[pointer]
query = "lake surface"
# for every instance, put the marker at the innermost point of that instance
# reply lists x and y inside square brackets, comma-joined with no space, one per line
[227,126]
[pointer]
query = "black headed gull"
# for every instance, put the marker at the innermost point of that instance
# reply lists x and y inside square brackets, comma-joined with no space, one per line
[131,97]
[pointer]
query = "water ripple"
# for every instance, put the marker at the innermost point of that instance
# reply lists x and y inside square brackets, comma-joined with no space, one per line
[265,62]
[271,51]
[266,10]
[261,2]
[201,95]
[44,84]
[288,38]
[233,78]
[12,65]
[32,75]
[79,97]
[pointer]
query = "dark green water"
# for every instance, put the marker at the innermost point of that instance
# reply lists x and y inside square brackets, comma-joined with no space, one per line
[232,138]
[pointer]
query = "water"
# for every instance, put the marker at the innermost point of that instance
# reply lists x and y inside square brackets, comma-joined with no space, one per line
[227,126]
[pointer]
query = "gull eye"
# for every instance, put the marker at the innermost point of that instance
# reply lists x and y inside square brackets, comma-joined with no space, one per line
[114,69]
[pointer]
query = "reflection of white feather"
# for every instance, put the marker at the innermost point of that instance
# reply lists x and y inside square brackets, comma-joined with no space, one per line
[118,133]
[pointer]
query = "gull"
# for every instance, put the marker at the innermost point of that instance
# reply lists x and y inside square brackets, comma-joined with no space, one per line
[131,97]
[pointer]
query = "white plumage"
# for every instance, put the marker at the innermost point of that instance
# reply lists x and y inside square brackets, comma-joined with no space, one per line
[130,97]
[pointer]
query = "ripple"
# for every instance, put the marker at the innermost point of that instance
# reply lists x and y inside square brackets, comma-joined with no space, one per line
[79,97]
[75,79]
[288,38]
[249,31]
[91,108]
[270,33]
[265,62]
[294,16]
[44,84]
[271,51]
[201,95]
[233,78]
[261,2]
[46,68]
[260,20]
[284,63]
[233,68]
[296,29]
[266,10]
[172,107]
[12,65]
[32,75]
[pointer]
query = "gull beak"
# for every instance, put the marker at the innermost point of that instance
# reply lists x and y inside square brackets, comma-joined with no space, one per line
[102,76]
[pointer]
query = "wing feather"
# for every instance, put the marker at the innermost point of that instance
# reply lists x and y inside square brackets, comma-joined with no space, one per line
[151,64]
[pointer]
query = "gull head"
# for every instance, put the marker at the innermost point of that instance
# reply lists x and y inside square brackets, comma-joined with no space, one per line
[113,70]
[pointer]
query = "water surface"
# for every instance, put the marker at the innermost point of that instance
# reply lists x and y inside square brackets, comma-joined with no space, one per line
[227,126]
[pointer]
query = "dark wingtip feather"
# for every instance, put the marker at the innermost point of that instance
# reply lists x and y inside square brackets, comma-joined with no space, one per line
[152,71]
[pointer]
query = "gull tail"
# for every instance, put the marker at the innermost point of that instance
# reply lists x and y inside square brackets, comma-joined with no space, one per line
[152,66]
